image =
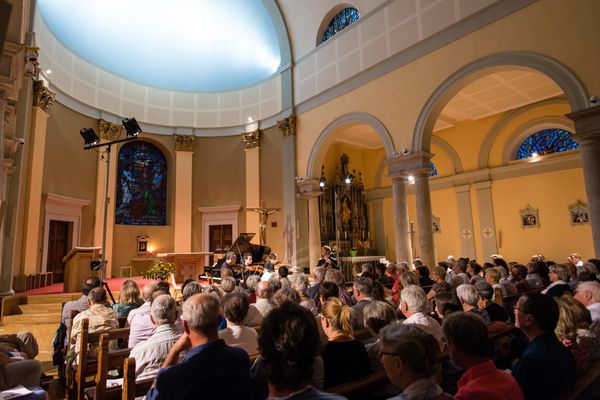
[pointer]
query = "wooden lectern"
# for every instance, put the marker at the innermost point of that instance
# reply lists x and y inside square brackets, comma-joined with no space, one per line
[187,265]
[77,267]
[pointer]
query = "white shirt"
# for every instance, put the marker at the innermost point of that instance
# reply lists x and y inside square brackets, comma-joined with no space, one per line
[427,323]
[595,311]
[150,354]
[242,337]
[421,389]
[140,325]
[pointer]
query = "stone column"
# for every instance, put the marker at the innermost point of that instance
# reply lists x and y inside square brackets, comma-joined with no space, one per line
[252,142]
[587,133]
[465,220]
[287,128]
[487,225]
[424,222]
[402,242]
[5,270]
[309,190]
[184,152]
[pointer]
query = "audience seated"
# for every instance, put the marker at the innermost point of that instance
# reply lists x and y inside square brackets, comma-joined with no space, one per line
[264,292]
[313,291]
[129,298]
[138,320]
[383,277]
[285,294]
[518,273]
[495,311]
[289,346]
[415,306]
[250,290]
[459,268]
[228,285]
[210,369]
[22,372]
[328,290]
[300,284]
[406,278]
[336,276]
[344,358]
[446,303]
[506,281]
[377,314]
[469,299]
[423,276]
[492,277]
[546,369]
[533,276]
[283,276]
[474,272]
[469,347]
[588,294]
[438,273]
[235,309]
[191,289]
[362,290]
[559,276]
[79,305]
[151,353]
[410,358]
[573,330]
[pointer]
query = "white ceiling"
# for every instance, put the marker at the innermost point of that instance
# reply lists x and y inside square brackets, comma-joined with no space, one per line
[496,93]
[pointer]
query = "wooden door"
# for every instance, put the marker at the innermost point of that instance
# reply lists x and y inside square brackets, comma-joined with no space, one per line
[220,238]
[58,247]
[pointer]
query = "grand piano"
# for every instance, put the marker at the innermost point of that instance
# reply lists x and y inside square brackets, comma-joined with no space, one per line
[240,246]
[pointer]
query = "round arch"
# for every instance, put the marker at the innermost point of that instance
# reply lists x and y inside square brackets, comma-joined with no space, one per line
[561,75]
[327,19]
[317,153]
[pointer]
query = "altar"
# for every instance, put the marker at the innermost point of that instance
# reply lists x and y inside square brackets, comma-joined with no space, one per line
[187,265]
[350,266]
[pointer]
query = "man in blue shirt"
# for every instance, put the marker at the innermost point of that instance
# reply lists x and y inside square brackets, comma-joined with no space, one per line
[210,369]
[546,369]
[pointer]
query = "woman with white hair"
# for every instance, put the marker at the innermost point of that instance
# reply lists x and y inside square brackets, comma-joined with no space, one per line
[469,298]
[299,283]
[559,276]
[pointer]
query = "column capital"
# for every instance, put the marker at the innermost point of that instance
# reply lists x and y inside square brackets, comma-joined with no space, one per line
[184,142]
[251,139]
[108,131]
[308,188]
[287,126]
[42,96]
[482,185]
[409,163]
[587,124]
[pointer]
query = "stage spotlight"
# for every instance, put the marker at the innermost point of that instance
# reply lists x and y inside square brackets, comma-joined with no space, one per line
[132,127]
[89,137]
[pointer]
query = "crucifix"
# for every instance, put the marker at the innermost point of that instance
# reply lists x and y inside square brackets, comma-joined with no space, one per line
[413,244]
[263,213]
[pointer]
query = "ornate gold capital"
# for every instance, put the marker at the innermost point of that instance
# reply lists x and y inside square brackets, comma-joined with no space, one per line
[42,96]
[184,142]
[251,139]
[108,130]
[287,126]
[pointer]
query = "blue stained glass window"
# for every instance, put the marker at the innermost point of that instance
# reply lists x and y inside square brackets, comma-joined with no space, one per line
[341,20]
[141,185]
[547,141]
[434,171]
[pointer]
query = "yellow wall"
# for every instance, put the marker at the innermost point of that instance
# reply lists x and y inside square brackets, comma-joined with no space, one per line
[271,181]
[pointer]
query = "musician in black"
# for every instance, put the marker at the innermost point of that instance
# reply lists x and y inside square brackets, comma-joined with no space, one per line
[326,260]
[247,259]
[271,262]
[230,261]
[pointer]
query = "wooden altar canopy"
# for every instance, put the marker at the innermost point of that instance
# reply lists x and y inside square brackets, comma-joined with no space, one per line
[187,265]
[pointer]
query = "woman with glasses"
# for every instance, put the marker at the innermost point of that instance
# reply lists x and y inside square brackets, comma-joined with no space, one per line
[345,358]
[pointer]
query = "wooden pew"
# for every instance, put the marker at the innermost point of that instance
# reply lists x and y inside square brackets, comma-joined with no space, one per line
[587,381]
[107,360]
[360,387]
[132,388]
[88,366]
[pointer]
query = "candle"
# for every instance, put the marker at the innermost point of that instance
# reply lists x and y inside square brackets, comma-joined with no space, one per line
[346,235]
[369,235]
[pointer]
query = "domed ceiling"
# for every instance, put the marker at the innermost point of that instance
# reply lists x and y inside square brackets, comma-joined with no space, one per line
[182,45]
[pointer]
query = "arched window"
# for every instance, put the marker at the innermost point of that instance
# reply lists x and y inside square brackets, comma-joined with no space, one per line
[434,171]
[141,185]
[546,141]
[341,20]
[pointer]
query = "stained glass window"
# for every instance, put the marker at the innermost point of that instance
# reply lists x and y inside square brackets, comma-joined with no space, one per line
[434,171]
[546,141]
[141,185]
[341,20]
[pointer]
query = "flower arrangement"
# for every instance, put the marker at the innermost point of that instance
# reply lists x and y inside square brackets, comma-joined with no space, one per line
[161,270]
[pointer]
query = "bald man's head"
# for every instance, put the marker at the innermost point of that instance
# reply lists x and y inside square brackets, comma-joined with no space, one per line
[202,312]
[264,290]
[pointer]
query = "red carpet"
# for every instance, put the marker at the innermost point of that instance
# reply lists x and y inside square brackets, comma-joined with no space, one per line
[113,283]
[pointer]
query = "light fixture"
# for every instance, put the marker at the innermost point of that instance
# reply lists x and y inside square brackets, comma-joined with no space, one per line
[89,137]
[132,127]
[534,154]
[322,180]
[410,179]
[348,179]
[48,71]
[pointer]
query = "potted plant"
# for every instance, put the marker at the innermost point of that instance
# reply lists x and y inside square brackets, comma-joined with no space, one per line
[161,270]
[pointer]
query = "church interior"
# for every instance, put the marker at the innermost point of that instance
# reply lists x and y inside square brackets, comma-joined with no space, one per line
[394,130]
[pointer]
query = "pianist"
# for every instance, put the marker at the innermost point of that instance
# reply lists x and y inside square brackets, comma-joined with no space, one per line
[326,260]
[230,259]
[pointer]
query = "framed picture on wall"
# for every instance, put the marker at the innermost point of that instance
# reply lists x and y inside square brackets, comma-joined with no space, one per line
[578,213]
[435,221]
[529,217]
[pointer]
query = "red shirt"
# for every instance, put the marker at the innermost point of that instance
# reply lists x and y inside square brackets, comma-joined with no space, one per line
[485,381]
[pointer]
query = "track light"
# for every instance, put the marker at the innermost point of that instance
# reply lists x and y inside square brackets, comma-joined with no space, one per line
[132,127]
[89,137]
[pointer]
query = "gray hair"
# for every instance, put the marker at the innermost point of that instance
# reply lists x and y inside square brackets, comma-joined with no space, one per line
[408,278]
[97,295]
[590,286]
[164,309]
[502,271]
[335,276]
[147,291]
[364,285]
[191,289]
[485,289]
[299,282]
[468,294]
[252,281]
[202,316]
[264,290]
[378,314]
[319,273]
[415,298]
[561,271]
[418,349]
[228,284]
